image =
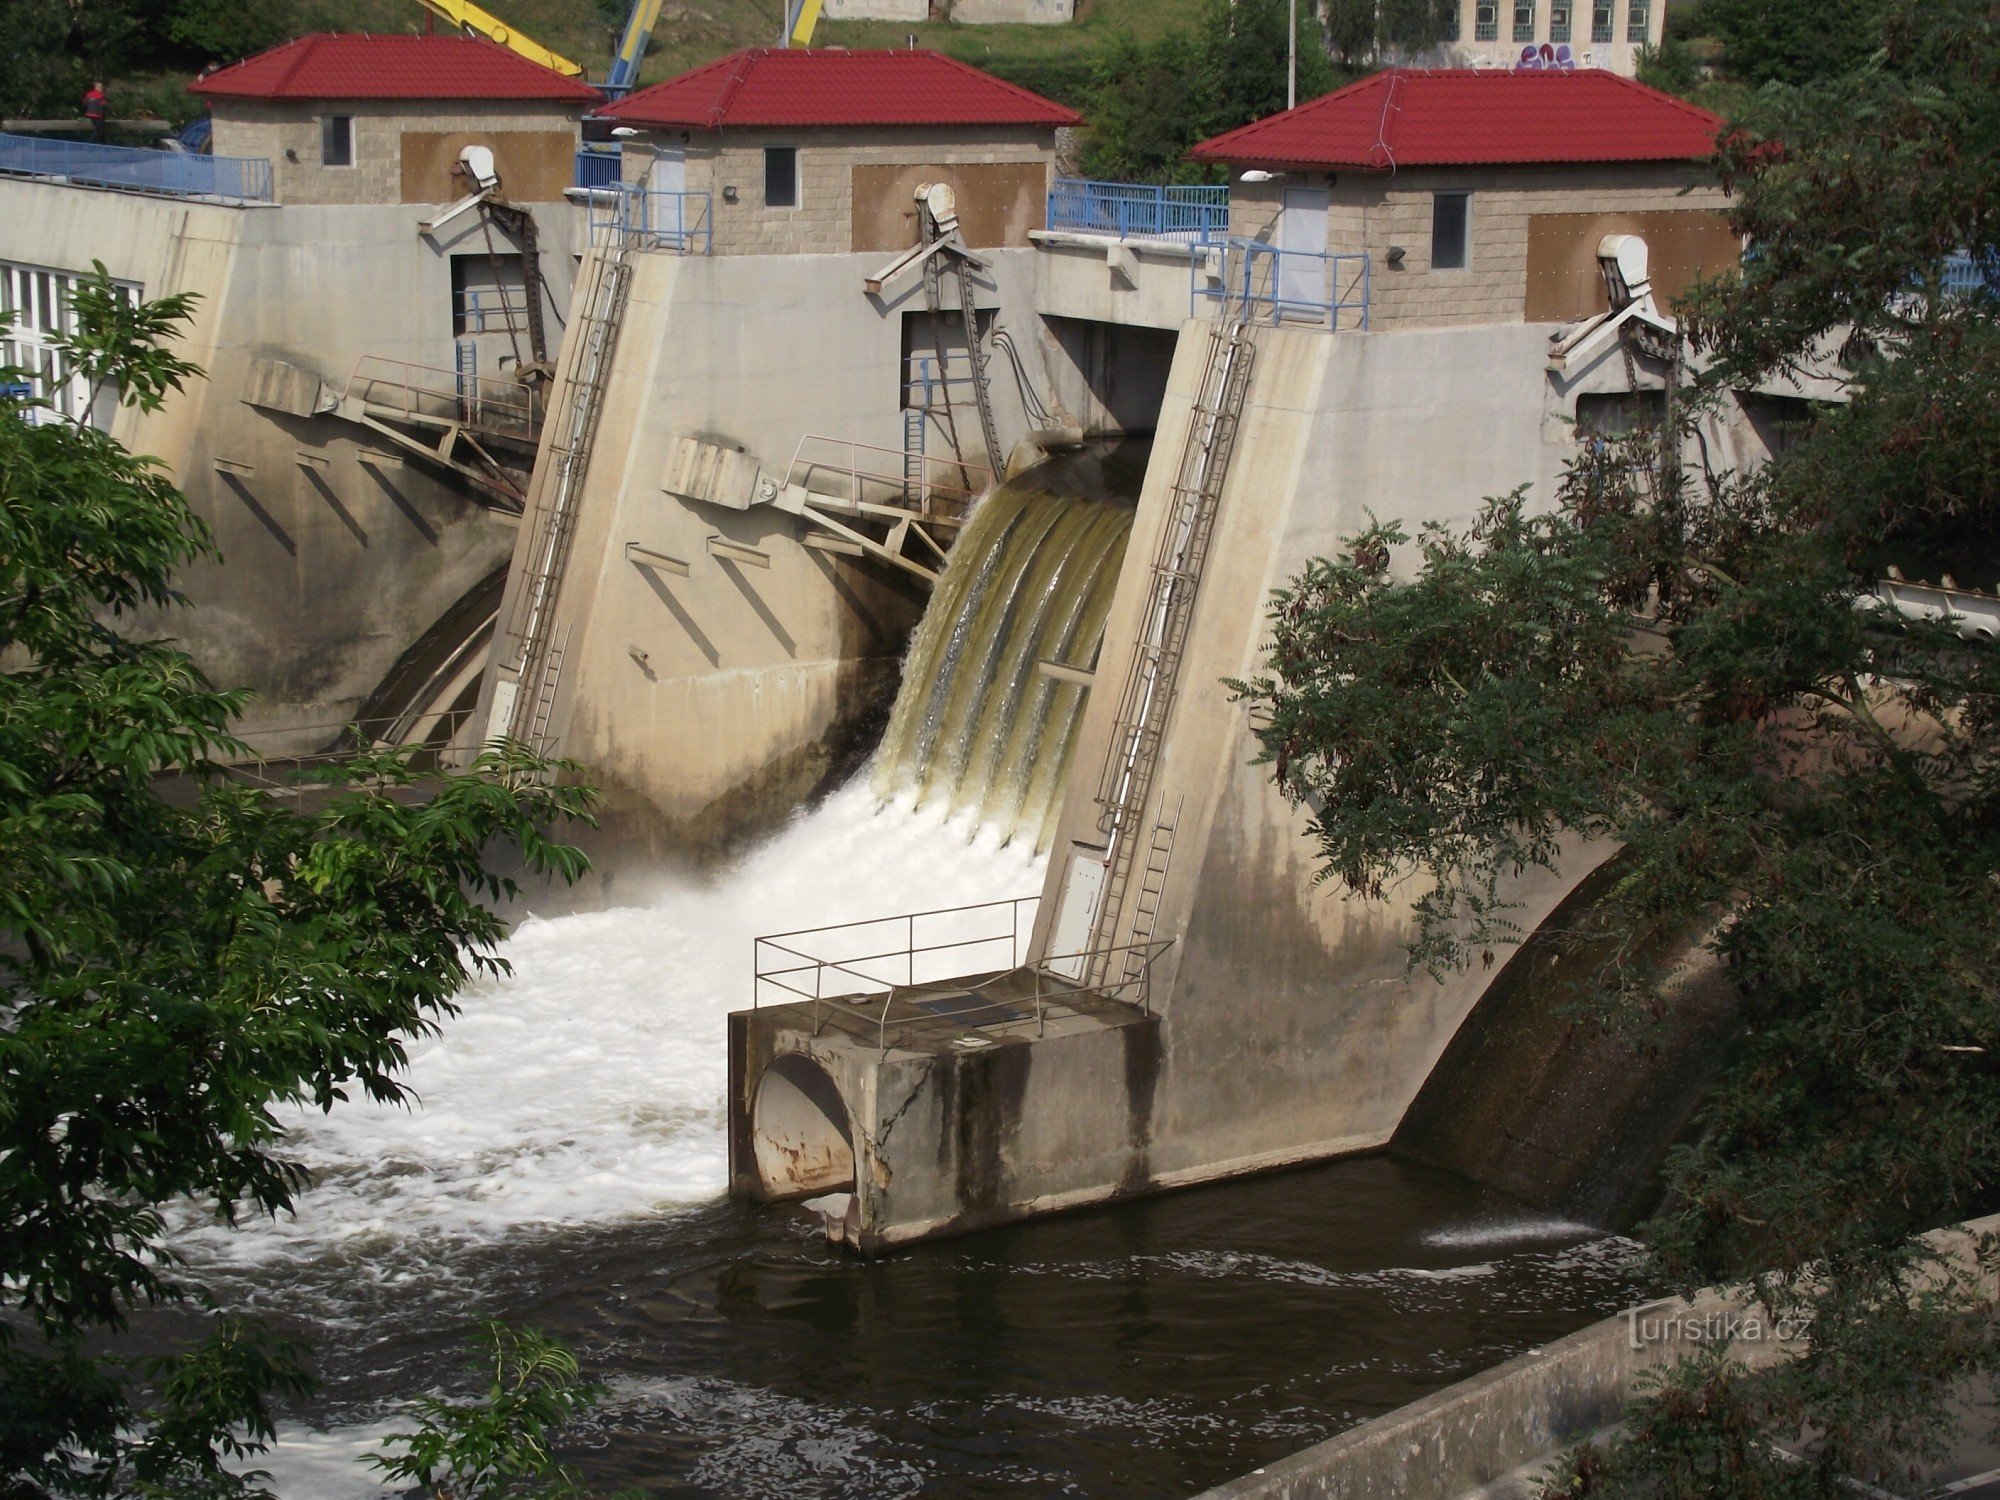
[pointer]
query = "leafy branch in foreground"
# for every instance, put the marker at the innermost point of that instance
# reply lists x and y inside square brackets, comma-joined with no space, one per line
[1696,665]
[182,956]
[489,1448]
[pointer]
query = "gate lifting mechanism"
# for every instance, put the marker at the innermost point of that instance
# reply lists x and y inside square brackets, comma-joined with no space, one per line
[941,250]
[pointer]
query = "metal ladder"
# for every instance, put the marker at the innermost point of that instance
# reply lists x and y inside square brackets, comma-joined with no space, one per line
[1152,887]
[1126,782]
[545,698]
[914,487]
[580,400]
[982,396]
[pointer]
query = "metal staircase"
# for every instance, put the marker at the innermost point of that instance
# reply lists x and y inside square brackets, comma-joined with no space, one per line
[1125,786]
[575,411]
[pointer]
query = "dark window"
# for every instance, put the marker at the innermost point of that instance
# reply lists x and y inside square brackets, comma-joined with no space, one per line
[336,140]
[1486,21]
[1450,218]
[1638,26]
[781,177]
[1524,20]
[1559,22]
[489,294]
[1601,19]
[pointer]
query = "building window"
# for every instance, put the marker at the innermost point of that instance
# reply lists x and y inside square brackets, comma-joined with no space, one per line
[336,140]
[1559,21]
[1524,22]
[1601,14]
[1451,215]
[1486,21]
[1637,28]
[36,305]
[781,177]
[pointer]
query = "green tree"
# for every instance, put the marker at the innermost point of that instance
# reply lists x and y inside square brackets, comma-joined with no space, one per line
[1791,41]
[181,955]
[1696,665]
[487,1448]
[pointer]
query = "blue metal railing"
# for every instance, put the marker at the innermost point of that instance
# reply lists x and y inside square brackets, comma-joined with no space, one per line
[599,166]
[652,220]
[1136,210]
[170,174]
[1269,285]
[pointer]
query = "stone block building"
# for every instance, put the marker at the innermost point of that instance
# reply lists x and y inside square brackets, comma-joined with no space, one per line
[821,150]
[350,119]
[1479,196]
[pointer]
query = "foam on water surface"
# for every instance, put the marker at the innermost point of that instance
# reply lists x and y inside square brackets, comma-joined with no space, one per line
[588,1086]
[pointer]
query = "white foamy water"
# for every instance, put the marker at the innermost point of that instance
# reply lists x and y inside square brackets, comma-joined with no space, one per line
[587,1087]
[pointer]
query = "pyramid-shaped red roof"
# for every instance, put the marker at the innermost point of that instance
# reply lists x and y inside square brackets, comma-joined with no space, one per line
[832,86]
[1415,117]
[330,65]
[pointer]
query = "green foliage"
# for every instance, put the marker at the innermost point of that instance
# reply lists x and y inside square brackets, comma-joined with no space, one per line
[1793,41]
[1671,67]
[176,967]
[486,1449]
[1693,664]
[225,31]
[1361,31]
[1152,102]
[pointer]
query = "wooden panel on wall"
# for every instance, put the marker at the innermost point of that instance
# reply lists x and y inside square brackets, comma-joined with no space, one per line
[534,165]
[998,202]
[1563,280]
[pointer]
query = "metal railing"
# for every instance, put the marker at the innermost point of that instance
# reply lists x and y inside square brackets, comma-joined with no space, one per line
[865,474]
[1966,274]
[165,174]
[599,167]
[1265,284]
[1137,210]
[489,310]
[649,219]
[902,956]
[422,393]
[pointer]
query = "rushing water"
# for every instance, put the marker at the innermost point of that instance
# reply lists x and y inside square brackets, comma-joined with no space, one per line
[566,1165]
[979,727]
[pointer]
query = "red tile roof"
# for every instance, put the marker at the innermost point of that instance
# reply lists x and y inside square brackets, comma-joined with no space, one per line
[327,65]
[1413,117]
[832,86]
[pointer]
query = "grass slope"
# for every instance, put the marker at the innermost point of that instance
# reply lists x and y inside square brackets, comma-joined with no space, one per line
[692,32]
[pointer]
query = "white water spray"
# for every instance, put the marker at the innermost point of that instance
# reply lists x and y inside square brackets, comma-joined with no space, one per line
[588,1087]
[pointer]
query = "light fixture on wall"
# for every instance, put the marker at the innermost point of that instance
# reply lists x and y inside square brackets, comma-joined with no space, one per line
[1396,253]
[729,193]
[1258,174]
[623,132]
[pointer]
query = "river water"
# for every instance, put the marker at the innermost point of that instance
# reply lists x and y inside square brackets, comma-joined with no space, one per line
[566,1166]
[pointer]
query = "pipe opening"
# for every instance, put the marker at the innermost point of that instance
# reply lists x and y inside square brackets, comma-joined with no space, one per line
[803,1142]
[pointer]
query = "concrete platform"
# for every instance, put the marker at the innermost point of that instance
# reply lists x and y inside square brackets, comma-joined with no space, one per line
[939,1109]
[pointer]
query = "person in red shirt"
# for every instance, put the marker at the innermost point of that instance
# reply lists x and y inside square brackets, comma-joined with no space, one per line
[93,110]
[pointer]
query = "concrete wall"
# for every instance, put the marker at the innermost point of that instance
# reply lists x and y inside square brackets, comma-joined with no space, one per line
[1369,213]
[336,554]
[1588,21]
[288,135]
[824,221]
[876,10]
[709,702]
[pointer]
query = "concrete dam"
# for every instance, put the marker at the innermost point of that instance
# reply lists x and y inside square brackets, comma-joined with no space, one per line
[943,893]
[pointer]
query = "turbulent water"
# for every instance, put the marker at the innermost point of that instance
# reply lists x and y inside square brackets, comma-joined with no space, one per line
[565,1169]
[978,727]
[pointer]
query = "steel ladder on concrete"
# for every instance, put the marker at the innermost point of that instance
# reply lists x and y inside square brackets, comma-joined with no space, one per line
[1152,678]
[580,401]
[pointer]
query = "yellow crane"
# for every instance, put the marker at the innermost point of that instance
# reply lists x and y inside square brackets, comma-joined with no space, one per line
[470,18]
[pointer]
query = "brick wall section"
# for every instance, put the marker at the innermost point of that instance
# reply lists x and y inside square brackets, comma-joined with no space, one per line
[823,223]
[1371,212]
[257,128]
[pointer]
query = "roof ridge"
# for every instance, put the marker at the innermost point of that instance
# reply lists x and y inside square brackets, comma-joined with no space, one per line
[733,84]
[1686,106]
[306,44]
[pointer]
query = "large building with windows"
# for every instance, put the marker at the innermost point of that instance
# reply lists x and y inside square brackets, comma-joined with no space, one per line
[1606,34]
[1480,196]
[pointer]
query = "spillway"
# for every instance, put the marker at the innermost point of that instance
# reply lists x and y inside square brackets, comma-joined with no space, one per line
[979,727]
[566,1164]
